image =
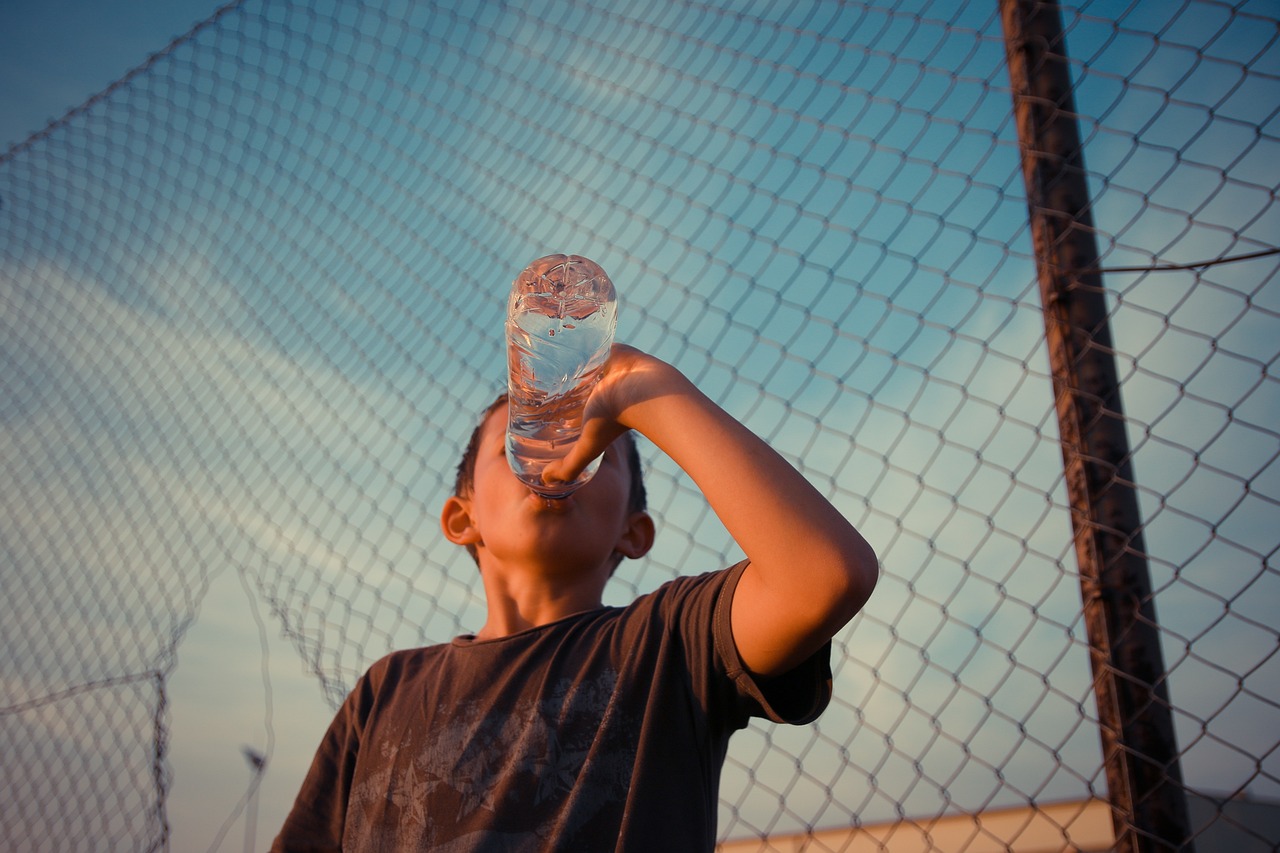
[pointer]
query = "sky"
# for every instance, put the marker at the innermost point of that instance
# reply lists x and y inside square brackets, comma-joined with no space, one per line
[56,54]
[296,319]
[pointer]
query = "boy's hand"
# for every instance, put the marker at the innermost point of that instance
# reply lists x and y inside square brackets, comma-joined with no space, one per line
[810,571]
[631,378]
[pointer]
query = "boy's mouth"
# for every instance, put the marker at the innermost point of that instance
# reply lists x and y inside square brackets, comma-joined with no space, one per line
[547,504]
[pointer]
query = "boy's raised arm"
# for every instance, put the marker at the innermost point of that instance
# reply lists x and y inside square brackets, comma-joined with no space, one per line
[810,570]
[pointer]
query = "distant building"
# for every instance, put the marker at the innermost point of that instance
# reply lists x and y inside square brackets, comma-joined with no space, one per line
[1234,825]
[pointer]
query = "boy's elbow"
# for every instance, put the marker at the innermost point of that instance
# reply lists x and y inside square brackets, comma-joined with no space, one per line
[861,572]
[783,614]
[832,605]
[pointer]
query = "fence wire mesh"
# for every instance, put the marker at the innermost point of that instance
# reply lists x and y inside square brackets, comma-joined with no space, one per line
[251,300]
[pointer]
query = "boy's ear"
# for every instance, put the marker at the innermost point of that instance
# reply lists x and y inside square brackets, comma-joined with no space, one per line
[456,522]
[638,536]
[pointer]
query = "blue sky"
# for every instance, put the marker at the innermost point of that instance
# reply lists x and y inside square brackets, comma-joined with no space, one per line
[56,54]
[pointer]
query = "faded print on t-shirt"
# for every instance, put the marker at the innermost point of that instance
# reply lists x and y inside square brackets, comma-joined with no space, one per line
[505,779]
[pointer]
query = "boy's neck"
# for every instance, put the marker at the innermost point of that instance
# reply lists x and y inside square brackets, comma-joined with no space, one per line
[519,600]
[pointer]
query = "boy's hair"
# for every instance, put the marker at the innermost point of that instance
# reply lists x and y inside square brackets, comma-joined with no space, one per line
[464,480]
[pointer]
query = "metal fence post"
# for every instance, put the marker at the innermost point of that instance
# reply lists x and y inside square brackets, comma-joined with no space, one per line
[1148,801]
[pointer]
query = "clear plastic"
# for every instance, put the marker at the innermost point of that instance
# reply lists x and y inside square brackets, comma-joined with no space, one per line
[561,319]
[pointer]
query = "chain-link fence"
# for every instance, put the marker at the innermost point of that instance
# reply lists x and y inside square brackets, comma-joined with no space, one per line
[252,298]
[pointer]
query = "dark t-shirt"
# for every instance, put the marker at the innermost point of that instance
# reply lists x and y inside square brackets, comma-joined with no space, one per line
[605,730]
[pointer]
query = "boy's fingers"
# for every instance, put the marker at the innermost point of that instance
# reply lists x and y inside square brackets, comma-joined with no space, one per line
[599,425]
[596,438]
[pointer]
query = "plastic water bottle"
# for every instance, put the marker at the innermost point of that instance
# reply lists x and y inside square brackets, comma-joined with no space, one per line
[561,319]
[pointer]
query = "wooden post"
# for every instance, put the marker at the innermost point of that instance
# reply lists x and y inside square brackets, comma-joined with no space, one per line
[1148,801]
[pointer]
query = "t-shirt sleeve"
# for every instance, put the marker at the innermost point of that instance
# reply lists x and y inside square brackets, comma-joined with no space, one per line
[796,697]
[726,687]
[318,816]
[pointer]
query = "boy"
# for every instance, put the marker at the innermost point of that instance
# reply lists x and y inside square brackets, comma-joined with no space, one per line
[568,726]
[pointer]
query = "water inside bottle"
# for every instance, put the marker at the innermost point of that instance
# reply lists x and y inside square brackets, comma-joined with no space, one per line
[557,350]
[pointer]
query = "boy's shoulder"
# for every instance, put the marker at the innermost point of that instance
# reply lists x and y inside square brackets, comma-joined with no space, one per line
[710,586]
[404,663]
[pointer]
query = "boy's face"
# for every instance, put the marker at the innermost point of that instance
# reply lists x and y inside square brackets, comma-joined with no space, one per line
[510,524]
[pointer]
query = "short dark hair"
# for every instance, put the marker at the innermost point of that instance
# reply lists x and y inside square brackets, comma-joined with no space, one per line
[464,479]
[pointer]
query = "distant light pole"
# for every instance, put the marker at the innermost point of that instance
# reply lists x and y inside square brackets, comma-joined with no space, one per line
[258,766]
